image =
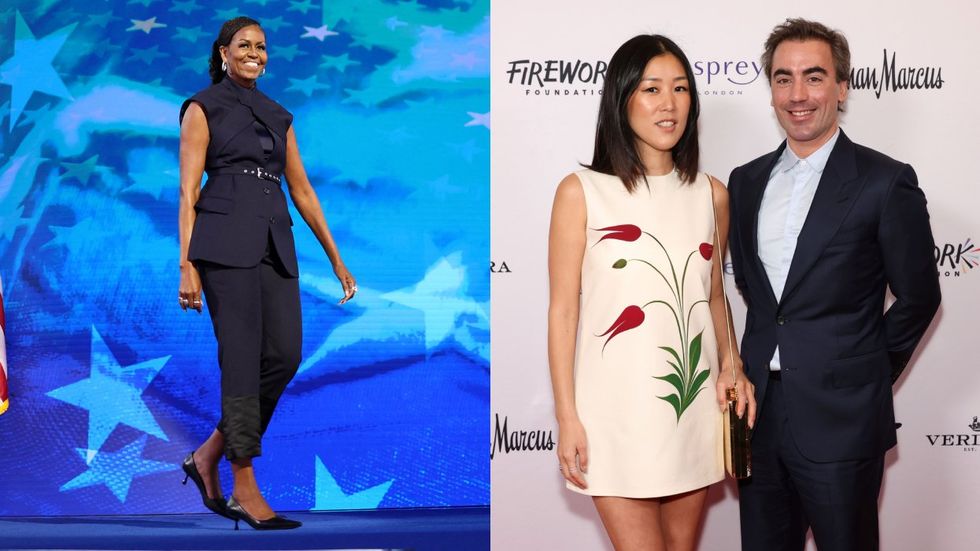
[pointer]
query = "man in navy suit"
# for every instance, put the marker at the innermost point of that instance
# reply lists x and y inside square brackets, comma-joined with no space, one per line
[820,227]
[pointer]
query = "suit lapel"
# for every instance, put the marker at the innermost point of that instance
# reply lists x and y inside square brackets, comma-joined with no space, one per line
[257,104]
[757,182]
[831,202]
[259,107]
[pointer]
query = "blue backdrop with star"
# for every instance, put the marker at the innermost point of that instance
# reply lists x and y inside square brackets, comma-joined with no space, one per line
[112,384]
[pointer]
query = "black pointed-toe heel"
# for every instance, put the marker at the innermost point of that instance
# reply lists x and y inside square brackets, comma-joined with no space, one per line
[236,512]
[217,504]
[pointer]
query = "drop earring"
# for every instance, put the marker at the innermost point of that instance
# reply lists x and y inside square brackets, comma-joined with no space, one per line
[224,66]
[262,74]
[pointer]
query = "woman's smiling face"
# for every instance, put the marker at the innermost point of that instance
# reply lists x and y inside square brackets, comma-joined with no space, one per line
[246,55]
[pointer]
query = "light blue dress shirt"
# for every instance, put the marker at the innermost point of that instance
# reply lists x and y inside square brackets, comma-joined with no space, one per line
[785,205]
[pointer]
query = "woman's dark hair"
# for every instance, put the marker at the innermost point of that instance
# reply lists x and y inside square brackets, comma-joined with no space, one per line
[615,143]
[228,30]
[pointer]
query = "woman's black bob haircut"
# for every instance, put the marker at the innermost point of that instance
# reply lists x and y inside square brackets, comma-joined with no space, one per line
[615,143]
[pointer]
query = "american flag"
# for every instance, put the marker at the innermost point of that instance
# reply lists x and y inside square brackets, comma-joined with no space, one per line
[4,398]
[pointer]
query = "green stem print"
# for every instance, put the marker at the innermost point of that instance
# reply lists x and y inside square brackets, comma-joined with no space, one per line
[685,380]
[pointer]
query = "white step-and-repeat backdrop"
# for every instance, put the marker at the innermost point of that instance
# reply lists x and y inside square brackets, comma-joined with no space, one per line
[916,87]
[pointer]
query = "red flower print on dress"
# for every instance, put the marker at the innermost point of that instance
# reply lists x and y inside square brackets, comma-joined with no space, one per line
[684,377]
[623,232]
[631,318]
[706,249]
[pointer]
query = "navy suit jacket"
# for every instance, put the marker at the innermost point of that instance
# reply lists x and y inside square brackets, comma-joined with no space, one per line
[236,213]
[867,228]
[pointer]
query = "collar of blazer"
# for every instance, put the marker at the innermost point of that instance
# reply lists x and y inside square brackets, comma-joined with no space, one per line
[838,187]
[263,108]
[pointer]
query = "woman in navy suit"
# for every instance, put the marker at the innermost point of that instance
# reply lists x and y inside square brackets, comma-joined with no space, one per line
[237,246]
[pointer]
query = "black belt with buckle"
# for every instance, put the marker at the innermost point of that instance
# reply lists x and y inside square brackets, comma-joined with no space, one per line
[258,172]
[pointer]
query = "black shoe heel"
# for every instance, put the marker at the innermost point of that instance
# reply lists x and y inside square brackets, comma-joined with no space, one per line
[215,505]
[237,512]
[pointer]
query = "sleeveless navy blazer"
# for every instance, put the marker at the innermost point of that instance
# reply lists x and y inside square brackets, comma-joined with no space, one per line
[236,213]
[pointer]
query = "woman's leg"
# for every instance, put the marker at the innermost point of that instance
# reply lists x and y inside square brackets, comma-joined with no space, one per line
[246,490]
[282,334]
[632,524]
[234,297]
[234,304]
[206,457]
[680,516]
[281,350]
[663,524]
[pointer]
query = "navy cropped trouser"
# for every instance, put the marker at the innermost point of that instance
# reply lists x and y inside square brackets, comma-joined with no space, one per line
[258,324]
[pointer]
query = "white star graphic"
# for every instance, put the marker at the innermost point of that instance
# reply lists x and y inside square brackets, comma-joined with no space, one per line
[318,33]
[330,496]
[35,116]
[441,296]
[186,6]
[30,69]
[340,62]
[377,322]
[112,394]
[145,25]
[306,85]
[116,470]
[478,119]
[12,211]
[82,171]
[274,23]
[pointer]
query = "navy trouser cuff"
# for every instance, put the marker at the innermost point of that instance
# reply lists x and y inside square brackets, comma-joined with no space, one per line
[241,425]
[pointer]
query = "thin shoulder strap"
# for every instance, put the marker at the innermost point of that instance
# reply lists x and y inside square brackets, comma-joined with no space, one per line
[721,275]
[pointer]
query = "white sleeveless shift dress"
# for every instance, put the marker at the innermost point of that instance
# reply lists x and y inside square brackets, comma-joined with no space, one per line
[646,358]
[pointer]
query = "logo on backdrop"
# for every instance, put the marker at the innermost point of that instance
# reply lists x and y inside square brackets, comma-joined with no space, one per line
[892,76]
[727,77]
[965,441]
[509,441]
[956,259]
[585,77]
[557,77]
[499,267]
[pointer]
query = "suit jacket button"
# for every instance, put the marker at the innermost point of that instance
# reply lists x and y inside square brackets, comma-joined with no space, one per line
[272,220]
[780,320]
[265,191]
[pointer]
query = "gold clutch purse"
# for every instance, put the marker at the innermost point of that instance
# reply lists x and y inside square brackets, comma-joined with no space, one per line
[737,447]
[738,451]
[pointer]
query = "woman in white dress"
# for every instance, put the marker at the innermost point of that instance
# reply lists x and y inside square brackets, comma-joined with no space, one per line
[637,331]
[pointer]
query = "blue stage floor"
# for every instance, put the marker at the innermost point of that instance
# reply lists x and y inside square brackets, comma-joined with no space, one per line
[458,528]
